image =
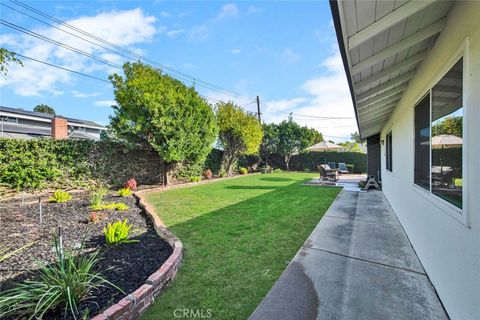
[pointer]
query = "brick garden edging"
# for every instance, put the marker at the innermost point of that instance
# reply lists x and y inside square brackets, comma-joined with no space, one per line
[134,304]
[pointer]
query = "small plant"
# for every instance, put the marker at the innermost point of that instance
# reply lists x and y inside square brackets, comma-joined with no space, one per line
[243,170]
[63,284]
[277,170]
[118,233]
[60,196]
[362,184]
[195,178]
[222,173]
[97,195]
[124,192]
[119,206]
[94,217]
[131,184]
[208,174]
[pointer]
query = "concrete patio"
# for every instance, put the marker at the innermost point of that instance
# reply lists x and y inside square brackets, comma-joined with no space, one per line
[356,264]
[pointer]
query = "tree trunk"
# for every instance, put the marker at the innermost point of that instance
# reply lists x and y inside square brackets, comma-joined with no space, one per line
[167,173]
[287,162]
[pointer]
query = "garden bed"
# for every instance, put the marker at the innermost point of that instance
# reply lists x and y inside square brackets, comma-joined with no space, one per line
[129,265]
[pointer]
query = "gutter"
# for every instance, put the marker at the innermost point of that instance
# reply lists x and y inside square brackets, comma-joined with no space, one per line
[338,30]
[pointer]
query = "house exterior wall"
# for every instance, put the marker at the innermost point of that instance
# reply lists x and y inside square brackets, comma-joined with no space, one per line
[448,248]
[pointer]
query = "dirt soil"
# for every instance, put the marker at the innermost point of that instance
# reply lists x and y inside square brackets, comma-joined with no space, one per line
[129,265]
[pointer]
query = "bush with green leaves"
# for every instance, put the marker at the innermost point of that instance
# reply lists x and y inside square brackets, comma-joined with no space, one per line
[63,284]
[277,170]
[124,192]
[117,233]
[195,179]
[114,206]
[243,170]
[60,196]
[97,195]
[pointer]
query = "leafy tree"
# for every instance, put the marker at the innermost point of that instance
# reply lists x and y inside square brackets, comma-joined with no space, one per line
[292,139]
[160,112]
[313,135]
[351,146]
[269,141]
[43,108]
[7,57]
[449,125]
[355,137]
[240,133]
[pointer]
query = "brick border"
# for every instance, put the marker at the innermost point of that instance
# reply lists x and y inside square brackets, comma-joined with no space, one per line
[134,304]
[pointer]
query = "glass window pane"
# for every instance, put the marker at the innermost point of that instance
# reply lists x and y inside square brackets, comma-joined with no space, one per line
[447,129]
[422,143]
[389,152]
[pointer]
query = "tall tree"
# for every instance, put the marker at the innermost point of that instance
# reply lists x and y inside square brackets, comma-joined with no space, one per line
[7,57]
[448,125]
[313,135]
[269,141]
[162,113]
[355,137]
[292,139]
[43,108]
[240,133]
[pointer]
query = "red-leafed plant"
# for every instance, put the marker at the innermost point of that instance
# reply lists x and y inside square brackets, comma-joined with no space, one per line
[94,217]
[208,174]
[131,184]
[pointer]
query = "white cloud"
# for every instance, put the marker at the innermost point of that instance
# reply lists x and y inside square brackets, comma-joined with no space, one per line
[165,14]
[199,33]
[78,94]
[290,57]
[105,103]
[175,32]
[227,11]
[235,51]
[328,95]
[124,28]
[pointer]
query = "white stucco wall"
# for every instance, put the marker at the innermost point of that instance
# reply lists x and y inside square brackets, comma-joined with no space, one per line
[448,249]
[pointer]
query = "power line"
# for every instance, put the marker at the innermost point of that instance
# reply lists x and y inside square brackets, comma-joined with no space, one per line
[180,74]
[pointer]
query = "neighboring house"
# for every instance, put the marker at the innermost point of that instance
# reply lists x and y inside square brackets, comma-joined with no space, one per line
[22,124]
[414,75]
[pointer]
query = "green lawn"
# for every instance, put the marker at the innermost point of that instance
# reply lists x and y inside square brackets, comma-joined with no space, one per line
[238,235]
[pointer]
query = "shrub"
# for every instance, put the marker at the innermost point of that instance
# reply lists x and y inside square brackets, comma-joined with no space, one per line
[277,170]
[243,170]
[306,170]
[60,196]
[65,283]
[131,184]
[94,217]
[109,206]
[208,174]
[124,192]
[118,233]
[97,195]
[350,168]
[222,173]
[195,179]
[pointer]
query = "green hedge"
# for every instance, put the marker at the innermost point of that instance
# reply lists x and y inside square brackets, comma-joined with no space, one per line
[310,160]
[40,163]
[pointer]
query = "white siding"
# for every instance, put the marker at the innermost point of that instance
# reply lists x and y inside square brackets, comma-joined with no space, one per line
[448,250]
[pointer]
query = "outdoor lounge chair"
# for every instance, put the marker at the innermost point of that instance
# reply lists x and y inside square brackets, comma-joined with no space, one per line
[326,173]
[342,167]
[332,165]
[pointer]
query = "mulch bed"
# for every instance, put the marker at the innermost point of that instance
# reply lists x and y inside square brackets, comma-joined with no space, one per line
[129,265]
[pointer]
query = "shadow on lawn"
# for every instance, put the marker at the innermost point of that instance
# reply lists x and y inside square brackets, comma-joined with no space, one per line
[276,179]
[233,255]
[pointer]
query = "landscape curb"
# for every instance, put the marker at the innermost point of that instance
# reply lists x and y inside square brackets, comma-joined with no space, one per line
[134,304]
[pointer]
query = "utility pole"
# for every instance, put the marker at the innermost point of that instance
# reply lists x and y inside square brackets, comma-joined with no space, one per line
[258,110]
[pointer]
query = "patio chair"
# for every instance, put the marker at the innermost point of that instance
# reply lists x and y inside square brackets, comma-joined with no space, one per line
[342,167]
[327,173]
[332,165]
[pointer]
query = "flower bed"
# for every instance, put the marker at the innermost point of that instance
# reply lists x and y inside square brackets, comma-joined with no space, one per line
[127,265]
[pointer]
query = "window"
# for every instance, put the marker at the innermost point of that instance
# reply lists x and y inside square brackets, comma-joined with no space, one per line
[422,143]
[447,133]
[438,138]
[389,151]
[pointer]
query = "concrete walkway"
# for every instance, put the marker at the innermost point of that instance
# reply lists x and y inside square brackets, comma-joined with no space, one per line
[356,264]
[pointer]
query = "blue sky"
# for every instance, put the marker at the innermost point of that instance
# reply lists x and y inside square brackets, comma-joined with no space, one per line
[285,52]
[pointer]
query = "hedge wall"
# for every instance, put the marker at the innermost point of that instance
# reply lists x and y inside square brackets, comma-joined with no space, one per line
[39,163]
[310,160]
